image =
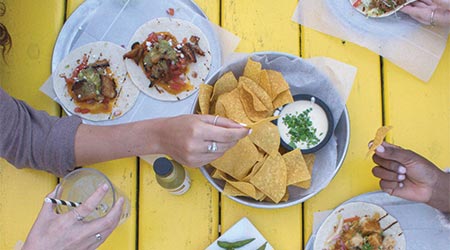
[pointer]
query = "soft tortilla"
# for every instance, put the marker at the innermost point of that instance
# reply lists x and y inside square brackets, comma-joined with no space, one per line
[366,12]
[180,29]
[360,209]
[126,91]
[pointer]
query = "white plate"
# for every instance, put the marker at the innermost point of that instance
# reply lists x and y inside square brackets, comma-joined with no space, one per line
[242,230]
[360,209]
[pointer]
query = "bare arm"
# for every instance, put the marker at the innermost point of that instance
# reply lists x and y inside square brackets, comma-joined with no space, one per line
[185,138]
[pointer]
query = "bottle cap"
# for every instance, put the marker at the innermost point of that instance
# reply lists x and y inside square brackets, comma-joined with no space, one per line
[162,166]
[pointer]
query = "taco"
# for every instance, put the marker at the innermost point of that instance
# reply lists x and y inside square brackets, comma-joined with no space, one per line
[92,82]
[169,58]
[360,225]
[378,8]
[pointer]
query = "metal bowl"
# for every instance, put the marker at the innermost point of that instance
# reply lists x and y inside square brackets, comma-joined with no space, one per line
[341,133]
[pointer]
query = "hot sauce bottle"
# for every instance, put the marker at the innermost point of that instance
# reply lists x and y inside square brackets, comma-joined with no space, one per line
[171,176]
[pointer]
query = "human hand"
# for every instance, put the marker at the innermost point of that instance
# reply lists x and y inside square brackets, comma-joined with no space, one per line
[186,138]
[66,231]
[429,12]
[408,175]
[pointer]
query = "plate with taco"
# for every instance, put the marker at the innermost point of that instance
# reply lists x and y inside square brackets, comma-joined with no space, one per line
[360,225]
[92,82]
[379,8]
[168,58]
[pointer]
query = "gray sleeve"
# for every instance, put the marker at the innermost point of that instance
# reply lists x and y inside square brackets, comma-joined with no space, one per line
[31,138]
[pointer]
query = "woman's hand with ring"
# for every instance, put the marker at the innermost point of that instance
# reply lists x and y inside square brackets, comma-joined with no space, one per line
[429,12]
[195,140]
[65,231]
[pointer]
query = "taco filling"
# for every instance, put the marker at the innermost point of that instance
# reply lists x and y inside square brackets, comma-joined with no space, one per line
[165,61]
[358,233]
[378,7]
[92,87]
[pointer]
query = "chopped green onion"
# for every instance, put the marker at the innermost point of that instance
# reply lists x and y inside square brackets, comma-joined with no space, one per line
[301,129]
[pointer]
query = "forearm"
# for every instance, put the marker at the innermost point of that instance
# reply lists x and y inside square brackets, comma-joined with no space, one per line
[95,144]
[440,197]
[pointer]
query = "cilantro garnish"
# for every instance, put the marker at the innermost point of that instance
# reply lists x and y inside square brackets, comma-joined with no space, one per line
[301,128]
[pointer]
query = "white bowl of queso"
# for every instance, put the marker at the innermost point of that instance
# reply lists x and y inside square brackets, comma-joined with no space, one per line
[306,124]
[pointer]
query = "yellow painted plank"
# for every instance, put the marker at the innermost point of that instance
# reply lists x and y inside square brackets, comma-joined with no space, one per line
[365,111]
[72,5]
[186,222]
[123,173]
[167,221]
[264,25]
[420,112]
[34,27]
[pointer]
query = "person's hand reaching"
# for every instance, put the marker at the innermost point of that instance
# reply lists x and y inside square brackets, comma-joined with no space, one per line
[405,174]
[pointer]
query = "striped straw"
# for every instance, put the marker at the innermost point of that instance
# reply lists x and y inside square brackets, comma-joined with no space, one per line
[62,202]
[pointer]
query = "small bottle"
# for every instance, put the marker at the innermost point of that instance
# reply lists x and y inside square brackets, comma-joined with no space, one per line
[171,176]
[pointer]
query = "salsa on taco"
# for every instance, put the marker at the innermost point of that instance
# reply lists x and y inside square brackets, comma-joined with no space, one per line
[92,82]
[168,58]
[165,60]
[92,86]
[377,8]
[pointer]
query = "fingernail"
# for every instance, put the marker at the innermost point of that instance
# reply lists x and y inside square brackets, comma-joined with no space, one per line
[250,131]
[401,177]
[401,185]
[243,124]
[380,149]
[370,144]
[105,187]
[401,170]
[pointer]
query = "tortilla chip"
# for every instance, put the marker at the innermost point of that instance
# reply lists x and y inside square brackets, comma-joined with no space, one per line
[266,137]
[271,178]
[285,197]
[226,83]
[258,91]
[283,98]
[277,82]
[268,119]
[252,70]
[309,159]
[238,161]
[245,187]
[217,174]
[297,170]
[233,107]
[204,95]
[254,170]
[265,82]
[228,189]
[220,108]
[248,101]
[379,138]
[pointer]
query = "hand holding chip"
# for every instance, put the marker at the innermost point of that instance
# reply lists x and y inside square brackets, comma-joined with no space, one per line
[186,138]
[405,174]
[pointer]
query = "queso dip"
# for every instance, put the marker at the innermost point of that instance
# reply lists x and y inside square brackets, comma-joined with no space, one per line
[303,124]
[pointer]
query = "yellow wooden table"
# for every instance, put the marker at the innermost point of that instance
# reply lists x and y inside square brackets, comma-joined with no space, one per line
[382,94]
